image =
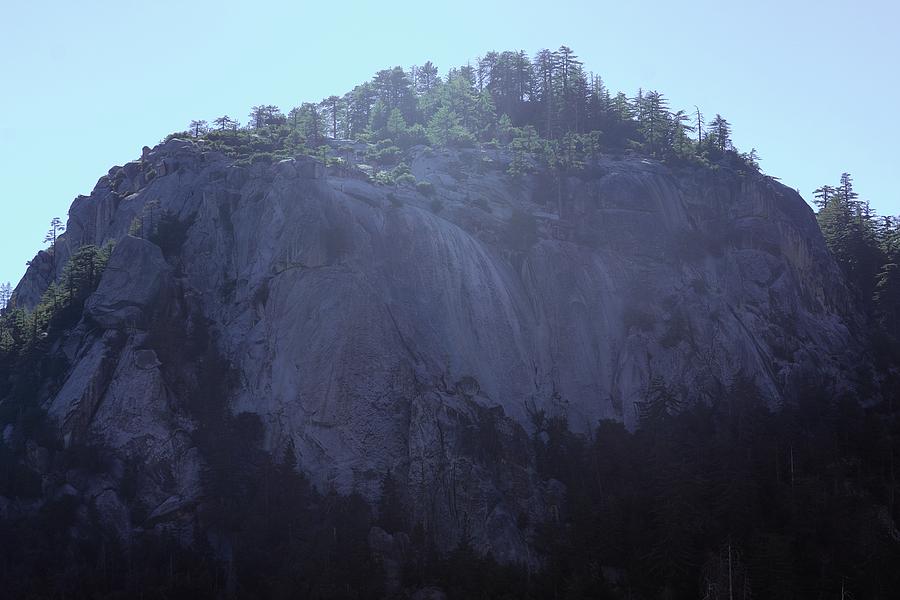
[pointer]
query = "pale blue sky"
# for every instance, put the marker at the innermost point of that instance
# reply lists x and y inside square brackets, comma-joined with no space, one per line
[813,85]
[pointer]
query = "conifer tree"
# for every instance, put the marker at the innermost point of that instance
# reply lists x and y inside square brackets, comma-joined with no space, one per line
[655,120]
[545,65]
[5,294]
[224,122]
[719,132]
[332,107]
[845,189]
[198,127]
[56,228]
[823,195]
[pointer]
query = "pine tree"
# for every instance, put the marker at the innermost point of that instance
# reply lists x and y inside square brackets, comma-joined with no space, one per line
[699,126]
[5,294]
[545,66]
[846,192]
[446,129]
[823,195]
[198,127]
[572,90]
[850,232]
[393,88]
[332,107]
[56,228]
[224,122]
[679,141]
[719,132]
[266,114]
[655,120]
[426,78]
[310,122]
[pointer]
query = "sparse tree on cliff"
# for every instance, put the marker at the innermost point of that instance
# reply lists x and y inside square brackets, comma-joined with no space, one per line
[846,191]
[720,130]
[225,122]
[699,126]
[56,228]
[332,106]
[198,127]
[5,294]
[266,114]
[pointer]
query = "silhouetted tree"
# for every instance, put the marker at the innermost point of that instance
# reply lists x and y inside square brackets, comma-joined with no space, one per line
[719,132]
[332,107]
[198,127]
[225,122]
[5,294]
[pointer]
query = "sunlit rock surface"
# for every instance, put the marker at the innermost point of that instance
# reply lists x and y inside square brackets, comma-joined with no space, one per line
[378,328]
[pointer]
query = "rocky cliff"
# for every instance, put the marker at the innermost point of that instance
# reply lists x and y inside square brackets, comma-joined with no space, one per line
[428,330]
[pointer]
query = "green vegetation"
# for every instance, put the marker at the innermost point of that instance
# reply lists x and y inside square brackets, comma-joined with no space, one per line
[722,498]
[285,539]
[26,338]
[867,248]
[6,292]
[546,111]
[60,305]
[726,499]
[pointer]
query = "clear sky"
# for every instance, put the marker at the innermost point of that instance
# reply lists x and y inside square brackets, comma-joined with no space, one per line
[812,84]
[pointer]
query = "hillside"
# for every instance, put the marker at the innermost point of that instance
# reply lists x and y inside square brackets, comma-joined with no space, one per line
[420,349]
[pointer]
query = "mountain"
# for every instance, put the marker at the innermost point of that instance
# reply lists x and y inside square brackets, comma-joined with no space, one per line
[424,329]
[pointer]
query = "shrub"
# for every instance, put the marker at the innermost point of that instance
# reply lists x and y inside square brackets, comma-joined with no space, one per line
[178,135]
[405,179]
[436,206]
[385,178]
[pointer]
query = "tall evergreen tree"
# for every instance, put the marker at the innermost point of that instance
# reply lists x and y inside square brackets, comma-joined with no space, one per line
[332,108]
[823,195]
[719,132]
[700,124]
[426,78]
[5,294]
[198,127]
[266,114]
[225,122]
[56,228]
[848,195]
[545,67]
[311,122]
[655,121]
[850,231]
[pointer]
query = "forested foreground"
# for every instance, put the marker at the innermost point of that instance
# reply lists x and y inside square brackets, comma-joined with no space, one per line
[723,501]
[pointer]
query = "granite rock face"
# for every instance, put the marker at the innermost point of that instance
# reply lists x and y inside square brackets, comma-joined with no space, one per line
[133,282]
[376,328]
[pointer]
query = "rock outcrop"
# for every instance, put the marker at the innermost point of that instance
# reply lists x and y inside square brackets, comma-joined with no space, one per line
[378,328]
[133,282]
